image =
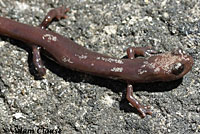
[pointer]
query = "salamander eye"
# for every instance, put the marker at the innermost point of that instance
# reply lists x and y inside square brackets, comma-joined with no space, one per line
[177,68]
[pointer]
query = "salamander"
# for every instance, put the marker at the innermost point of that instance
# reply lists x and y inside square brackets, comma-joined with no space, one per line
[152,67]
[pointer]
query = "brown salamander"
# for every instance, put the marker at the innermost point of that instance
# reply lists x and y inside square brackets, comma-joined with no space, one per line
[157,67]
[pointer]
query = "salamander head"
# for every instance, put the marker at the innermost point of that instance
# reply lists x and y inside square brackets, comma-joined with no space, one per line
[169,66]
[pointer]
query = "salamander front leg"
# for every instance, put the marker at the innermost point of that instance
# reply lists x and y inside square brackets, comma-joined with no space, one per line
[141,109]
[132,52]
[140,51]
[37,61]
[57,13]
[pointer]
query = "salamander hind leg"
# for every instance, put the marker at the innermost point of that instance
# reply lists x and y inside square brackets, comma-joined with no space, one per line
[57,13]
[140,51]
[141,109]
[37,61]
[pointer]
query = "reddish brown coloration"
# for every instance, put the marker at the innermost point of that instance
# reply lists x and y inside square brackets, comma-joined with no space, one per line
[160,67]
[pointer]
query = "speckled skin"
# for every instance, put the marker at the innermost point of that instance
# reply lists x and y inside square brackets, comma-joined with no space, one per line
[158,67]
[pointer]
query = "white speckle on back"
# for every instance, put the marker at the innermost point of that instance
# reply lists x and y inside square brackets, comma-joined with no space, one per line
[49,38]
[117,69]
[157,69]
[67,59]
[81,56]
[141,71]
[111,60]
